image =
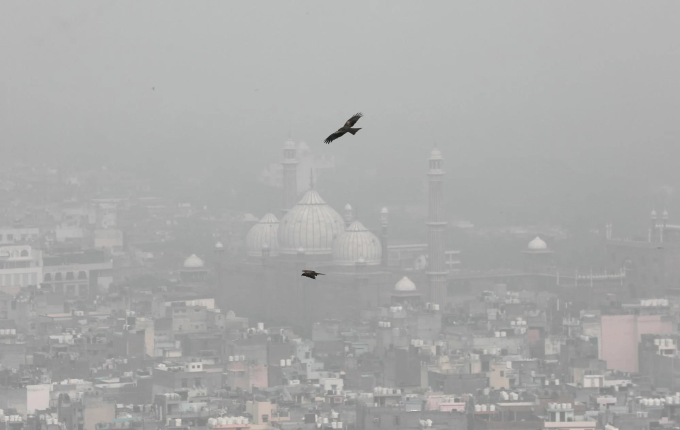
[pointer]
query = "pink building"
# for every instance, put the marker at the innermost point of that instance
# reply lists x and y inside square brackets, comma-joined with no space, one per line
[621,335]
[445,404]
[243,375]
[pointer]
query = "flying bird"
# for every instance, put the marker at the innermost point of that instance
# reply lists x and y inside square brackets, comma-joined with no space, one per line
[347,128]
[310,274]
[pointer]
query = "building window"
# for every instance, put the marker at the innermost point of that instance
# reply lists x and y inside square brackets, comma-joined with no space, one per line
[24,253]
[502,374]
[48,277]
[197,382]
[82,275]
[185,383]
[69,276]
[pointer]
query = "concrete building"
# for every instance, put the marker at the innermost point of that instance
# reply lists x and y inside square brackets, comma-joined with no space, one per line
[20,266]
[77,274]
[18,235]
[174,376]
[373,418]
[621,335]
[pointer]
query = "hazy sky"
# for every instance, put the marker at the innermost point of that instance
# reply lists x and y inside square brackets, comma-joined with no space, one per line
[555,105]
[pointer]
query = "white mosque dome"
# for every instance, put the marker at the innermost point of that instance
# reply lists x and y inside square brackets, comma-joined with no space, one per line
[219,245]
[384,211]
[263,235]
[193,262]
[348,207]
[653,214]
[289,144]
[357,243]
[312,225]
[405,284]
[537,244]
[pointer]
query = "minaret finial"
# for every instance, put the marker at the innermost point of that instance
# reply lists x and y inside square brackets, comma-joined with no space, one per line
[311,178]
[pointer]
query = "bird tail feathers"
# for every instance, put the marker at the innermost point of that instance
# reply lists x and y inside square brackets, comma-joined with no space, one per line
[354,130]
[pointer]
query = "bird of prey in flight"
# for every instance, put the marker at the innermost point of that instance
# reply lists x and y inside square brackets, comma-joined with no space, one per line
[347,128]
[310,274]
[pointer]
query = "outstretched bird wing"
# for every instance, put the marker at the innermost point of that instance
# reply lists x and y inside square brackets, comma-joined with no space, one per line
[350,122]
[334,136]
[307,271]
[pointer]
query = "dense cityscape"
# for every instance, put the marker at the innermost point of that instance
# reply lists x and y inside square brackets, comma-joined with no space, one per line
[314,215]
[120,308]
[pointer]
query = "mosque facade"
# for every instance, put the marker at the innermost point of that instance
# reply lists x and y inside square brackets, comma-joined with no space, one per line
[364,272]
[310,234]
[651,263]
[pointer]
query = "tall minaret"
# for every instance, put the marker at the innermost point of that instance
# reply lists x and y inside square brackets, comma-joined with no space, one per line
[348,215]
[436,224]
[289,176]
[384,235]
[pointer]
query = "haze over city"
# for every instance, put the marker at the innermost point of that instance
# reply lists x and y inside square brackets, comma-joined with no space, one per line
[543,109]
[339,215]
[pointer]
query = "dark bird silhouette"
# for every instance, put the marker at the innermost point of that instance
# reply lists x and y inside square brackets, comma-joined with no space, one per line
[347,128]
[310,274]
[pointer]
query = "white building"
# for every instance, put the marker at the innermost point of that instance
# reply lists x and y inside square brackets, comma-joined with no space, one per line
[20,266]
[10,236]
